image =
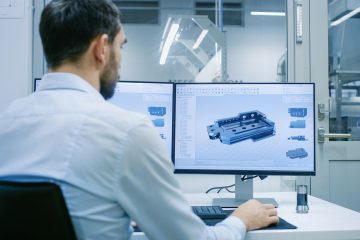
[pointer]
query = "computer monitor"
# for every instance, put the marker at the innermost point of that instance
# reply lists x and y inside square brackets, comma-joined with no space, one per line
[154,99]
[36,83]
[244,129]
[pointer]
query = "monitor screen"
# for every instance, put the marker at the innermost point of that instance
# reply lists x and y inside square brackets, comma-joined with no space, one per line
[154,100]
[235,128]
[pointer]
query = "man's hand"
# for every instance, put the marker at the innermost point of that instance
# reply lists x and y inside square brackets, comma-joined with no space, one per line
[256,215]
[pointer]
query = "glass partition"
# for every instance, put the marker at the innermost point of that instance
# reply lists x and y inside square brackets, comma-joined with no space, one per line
[257,51]
[344,68]
[205,41]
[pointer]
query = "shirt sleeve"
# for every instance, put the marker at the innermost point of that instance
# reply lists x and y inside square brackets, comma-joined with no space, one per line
[231,228]
[149,193]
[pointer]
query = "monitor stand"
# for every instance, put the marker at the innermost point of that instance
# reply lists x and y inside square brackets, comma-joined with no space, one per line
[243,192]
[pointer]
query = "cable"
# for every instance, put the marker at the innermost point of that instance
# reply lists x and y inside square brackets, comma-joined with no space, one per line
[243,178]
[220,188]
[246,177]
[230,191]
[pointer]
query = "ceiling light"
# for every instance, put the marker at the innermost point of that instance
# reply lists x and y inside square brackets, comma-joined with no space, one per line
[345,17]
[200,38]
[168,42]
[276,14]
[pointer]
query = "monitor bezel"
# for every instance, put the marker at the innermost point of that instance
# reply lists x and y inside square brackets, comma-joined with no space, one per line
[34,83]
[239,171]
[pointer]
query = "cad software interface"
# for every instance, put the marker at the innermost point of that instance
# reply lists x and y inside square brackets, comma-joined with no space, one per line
[257,127]
[152,99]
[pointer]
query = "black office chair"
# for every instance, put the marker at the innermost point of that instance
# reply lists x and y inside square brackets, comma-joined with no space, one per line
[34,211]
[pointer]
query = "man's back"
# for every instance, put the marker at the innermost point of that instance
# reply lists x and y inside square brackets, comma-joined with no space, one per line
[57,132]
[67,132]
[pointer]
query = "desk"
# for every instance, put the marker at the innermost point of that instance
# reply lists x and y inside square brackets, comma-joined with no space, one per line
[325,220]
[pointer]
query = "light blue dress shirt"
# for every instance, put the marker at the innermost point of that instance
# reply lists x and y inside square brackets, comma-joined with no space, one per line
[110,163]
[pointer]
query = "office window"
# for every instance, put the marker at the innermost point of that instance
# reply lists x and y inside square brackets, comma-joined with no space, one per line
[233,11]
[139,12]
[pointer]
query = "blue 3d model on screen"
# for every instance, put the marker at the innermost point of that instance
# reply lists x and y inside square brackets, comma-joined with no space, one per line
[247,125]
[298,112]
[297,153]
[157,111]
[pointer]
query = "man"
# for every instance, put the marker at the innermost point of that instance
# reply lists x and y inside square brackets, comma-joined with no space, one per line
[109,162]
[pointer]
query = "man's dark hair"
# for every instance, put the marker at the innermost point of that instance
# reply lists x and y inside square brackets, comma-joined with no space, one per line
[67,27]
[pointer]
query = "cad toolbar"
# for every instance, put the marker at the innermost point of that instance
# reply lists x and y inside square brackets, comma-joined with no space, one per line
[241,89]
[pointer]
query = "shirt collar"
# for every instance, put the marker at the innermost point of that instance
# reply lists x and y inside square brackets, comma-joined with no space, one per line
[69,81]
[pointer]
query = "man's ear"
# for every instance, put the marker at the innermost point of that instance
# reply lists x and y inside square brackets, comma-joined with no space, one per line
[100,48]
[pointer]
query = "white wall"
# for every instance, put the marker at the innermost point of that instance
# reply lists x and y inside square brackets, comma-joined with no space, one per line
[15,52]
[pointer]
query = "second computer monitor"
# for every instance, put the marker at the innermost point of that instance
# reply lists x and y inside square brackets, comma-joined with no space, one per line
[153,99]
[256,129]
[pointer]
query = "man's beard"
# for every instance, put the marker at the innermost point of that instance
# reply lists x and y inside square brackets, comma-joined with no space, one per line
[109,78]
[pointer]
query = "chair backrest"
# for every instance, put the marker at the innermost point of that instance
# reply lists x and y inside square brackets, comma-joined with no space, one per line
[34,211]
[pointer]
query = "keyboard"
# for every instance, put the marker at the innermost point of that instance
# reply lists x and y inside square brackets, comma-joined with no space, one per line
[210,212]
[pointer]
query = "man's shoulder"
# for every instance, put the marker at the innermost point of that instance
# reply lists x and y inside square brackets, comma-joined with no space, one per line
[116,115]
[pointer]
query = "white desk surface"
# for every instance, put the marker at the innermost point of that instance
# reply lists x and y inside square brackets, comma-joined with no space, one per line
[325,220]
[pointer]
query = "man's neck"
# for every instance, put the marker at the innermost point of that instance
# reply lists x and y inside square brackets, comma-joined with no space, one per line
[86,74]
